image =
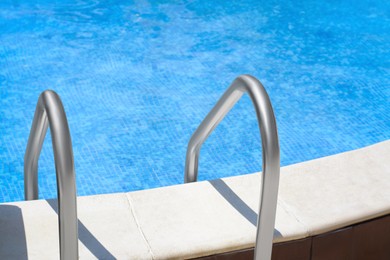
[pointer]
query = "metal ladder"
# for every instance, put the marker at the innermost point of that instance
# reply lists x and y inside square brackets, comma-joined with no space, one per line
[270,150]
[50,112]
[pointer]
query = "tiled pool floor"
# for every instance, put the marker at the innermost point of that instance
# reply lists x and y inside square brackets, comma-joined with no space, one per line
[136,79]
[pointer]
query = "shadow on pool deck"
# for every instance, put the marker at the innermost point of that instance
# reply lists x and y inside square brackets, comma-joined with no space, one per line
[237,202]
[13,244]
[87,238]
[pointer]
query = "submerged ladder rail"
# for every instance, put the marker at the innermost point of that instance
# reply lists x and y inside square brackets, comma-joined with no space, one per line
[270,151]
[50,112]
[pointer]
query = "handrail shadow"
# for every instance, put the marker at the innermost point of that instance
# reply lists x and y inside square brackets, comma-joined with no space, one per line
[87,238]
[236,202]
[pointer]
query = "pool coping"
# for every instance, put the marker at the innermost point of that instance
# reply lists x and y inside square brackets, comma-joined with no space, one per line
[210,217]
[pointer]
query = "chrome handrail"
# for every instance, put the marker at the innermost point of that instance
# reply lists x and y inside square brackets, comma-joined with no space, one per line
[50,112]
[270,147]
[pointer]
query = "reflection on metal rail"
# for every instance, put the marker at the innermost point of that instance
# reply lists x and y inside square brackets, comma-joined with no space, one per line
[270,147]
[50,112]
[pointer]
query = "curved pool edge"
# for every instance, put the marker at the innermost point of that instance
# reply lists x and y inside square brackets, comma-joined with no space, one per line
[209,218]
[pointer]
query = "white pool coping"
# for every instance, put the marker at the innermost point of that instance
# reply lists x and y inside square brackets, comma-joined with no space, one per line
[205,218]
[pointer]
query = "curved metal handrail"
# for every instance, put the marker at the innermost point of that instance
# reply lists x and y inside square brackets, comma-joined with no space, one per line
[270,147]
[50,111]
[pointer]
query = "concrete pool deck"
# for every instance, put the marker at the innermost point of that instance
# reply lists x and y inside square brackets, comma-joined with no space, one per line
[207,218]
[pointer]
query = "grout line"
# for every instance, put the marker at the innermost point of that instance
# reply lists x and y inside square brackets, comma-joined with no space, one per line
[289,212]
[139,226]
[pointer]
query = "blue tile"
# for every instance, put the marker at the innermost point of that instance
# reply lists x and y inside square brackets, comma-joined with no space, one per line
[136,79]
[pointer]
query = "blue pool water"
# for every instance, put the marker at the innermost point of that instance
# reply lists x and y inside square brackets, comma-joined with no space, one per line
[137,77]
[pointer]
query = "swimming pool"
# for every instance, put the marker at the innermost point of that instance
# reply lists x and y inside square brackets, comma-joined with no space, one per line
[137,77]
